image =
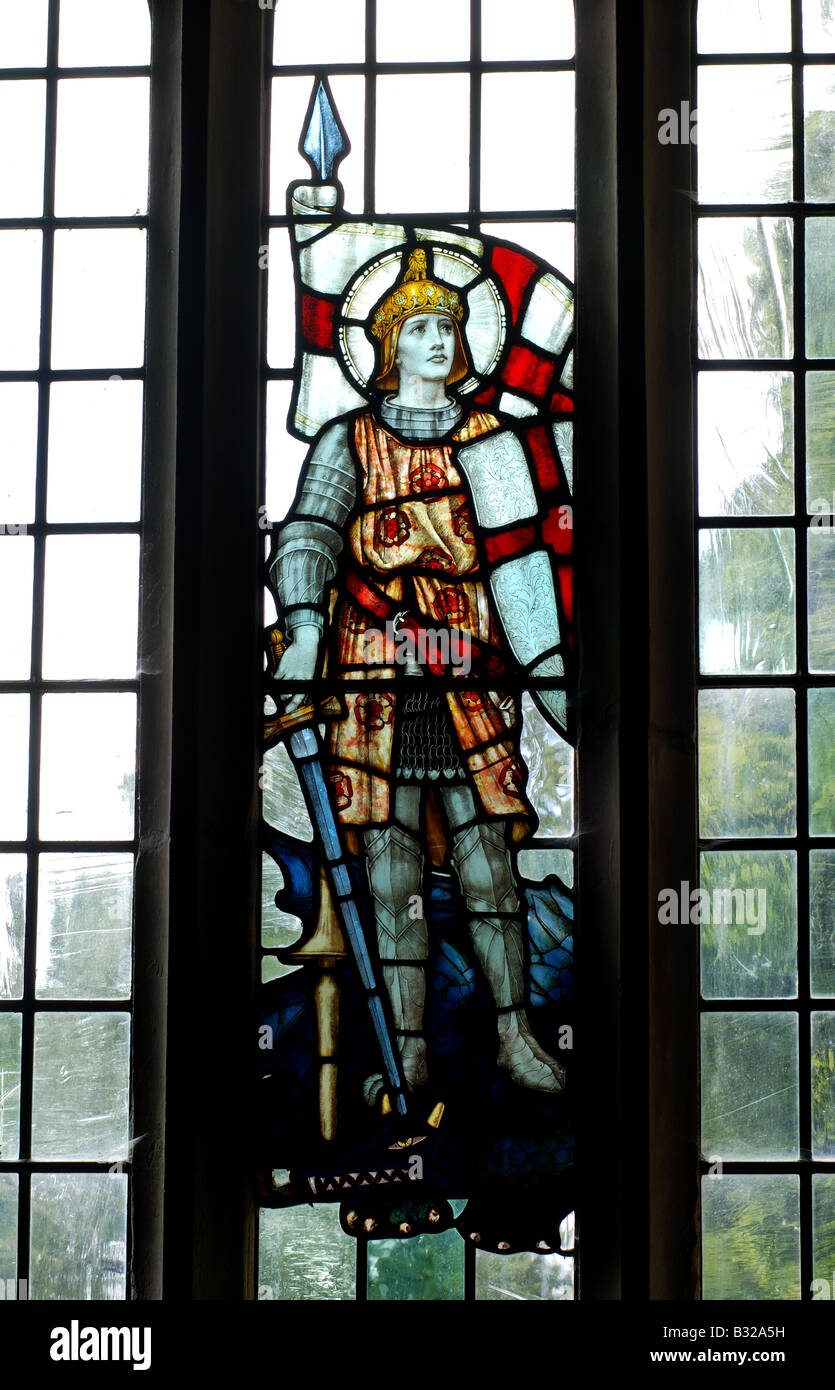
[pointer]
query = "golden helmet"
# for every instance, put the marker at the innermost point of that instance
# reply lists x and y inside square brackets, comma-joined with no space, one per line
[416,294]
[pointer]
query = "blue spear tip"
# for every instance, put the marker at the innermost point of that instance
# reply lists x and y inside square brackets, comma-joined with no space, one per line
[324,142]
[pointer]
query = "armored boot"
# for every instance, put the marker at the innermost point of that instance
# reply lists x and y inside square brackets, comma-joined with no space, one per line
[395,875]
[482,862]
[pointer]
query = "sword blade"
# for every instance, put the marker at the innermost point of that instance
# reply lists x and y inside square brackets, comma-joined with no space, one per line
[306,754]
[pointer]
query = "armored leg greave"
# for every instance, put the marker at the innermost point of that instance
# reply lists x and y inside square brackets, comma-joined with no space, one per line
[395,875]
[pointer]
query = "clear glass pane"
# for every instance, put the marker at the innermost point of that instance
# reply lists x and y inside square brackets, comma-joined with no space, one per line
[277,928]
[441,25]
[290,100]
[79,1236]
[550,763]
[416,1269]
[23,30]
[442,102]
[281,305]
[746,444]
[84,926]
[821,600]
[95,450]
[751,1237]
[10,1031]
[818,26]
[515,108]
[91,607]
[18,445]
[822,926]
[22,110]
[746,26]
[8,1234]
[553,241]
[534,1278]
[283,803]
[20,295]
[823,1229]
[304,1255]
[745,134]
[285,453]
[820,287]
[319,31]
[12,918]
[819,100]
[17,559]
[80,1098]
[822,762]
[749,1086]
[823,1085]
[747,763]
[88,757]
[101,156]
[14,760]
[820,444]
[528,30]
[746,601]
[745,287]
[97,33]
[538,864]
[98,311]
[748,924]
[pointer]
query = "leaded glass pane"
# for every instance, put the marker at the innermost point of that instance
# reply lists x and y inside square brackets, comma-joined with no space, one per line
[22,110]
[822,762]
[745,287]
[80,1096]
[820,445]
[8,1234]
[746,444]
[746,601]
[747,763]
[823,1085]
[317,31]
[443,101]
[749,1085]
[10,1033]
[745,145]
[12,916]
[20,295]
[18,441]
[304,1255]
[821,591]
[425,1267]
[23,31]
[88,756]
[442,23]
[91,607]
[819,96]
[751,1237]
[79,1236]
[534,1278]
[748,26]
[823,1224]
[820,287]
[818,26]
[101,481]
[98,307]
[14,760]
[102,123]
[822,902]
[95,33]
[748,924]
[534,33]
[17,557]
[84,926]
[513,103]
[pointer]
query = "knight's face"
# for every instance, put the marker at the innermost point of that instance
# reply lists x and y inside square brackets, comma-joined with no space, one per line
[426,347]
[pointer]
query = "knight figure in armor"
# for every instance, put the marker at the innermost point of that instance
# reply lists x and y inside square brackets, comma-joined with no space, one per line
[382,560]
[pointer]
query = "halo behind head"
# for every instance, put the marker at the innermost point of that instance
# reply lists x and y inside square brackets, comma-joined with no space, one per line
[416,294]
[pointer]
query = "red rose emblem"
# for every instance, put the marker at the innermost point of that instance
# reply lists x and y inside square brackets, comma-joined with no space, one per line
[392,526]
[426,477]
[374,711]
[472,701]
[436,558]
[343,789]
[510,779]
[462,524]
[451,606]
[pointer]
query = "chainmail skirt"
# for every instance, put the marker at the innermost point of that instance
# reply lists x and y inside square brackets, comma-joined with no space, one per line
[428,746]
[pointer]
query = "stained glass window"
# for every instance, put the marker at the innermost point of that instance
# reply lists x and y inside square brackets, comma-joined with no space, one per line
[418,783]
